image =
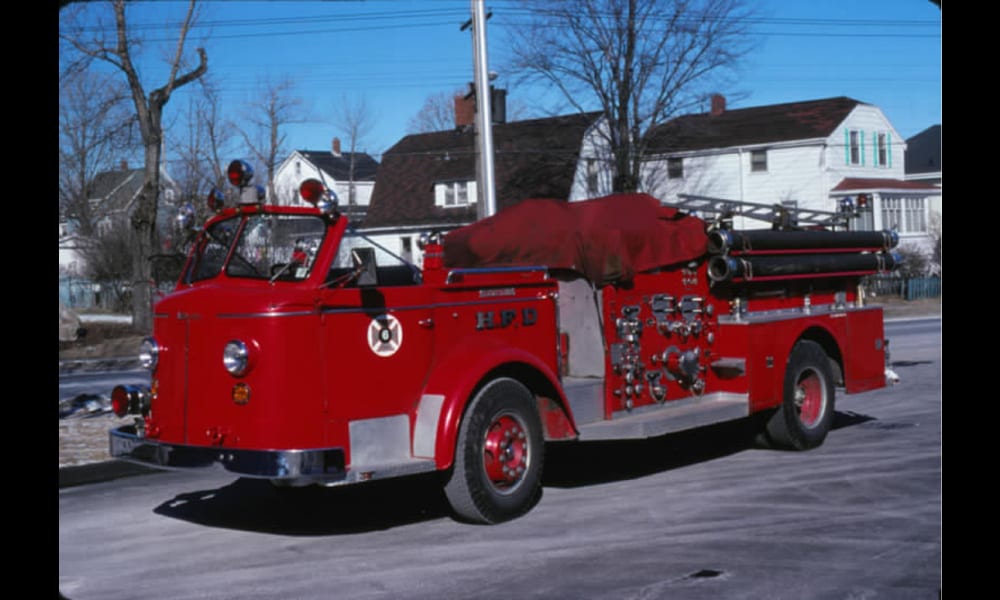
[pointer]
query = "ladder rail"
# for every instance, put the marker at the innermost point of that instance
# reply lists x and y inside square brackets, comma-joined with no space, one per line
[765,212]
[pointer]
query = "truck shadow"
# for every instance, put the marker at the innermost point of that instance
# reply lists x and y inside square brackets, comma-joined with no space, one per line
[255,505]
[578,464]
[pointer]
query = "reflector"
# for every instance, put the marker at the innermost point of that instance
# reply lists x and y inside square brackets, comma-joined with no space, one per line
[119,401]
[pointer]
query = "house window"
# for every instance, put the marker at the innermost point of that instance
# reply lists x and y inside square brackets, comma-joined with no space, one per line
[675,168]
[882,150]
[905,215]
[454,193]
[406,248]
[854,147]
[758,160]
[591,176]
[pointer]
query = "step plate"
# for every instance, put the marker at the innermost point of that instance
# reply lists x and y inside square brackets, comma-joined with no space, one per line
[670,417]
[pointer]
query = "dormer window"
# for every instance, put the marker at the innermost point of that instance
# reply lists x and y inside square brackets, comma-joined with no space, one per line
[449,194]
[882,149]
[854,147]
[675,168]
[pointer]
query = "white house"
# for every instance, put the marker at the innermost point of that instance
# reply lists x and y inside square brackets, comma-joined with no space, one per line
[112,197]
[809,155]
[350,175]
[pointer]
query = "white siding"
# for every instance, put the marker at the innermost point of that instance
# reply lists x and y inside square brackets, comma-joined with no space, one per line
[869,121]
[595,160]
[296,169]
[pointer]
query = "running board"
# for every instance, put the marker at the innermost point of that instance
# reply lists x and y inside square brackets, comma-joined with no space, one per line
[670,417]
[372,472]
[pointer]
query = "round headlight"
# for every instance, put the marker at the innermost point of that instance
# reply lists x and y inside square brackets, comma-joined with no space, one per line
[149,353]
[236,357]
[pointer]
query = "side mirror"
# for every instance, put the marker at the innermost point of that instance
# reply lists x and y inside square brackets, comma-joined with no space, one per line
[364,264]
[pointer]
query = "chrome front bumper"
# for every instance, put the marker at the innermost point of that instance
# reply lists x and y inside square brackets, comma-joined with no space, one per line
[321,464]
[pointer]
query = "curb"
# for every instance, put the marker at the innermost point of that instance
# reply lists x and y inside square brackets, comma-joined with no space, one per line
[83,365]
[101,471]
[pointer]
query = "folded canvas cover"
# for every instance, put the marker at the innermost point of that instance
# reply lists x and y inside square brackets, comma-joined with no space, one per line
[607,239]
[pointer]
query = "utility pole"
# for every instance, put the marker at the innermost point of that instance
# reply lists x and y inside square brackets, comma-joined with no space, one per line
[486,190]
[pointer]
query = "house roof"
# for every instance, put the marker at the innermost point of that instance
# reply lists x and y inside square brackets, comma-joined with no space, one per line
[773,123]
[854,184]
[532,159]
[340,166]
[923,151]
[114,190]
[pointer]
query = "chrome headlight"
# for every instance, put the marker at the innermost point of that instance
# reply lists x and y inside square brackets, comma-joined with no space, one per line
[149,353]
[236,358]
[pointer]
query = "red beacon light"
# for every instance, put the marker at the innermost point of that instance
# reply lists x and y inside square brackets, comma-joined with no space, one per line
[314,192]
[239,173]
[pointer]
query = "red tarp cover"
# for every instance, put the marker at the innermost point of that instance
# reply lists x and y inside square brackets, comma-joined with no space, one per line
[606,239]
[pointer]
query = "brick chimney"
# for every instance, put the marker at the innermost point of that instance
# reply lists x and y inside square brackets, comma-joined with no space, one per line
[718,104]
[465,111]
[336,147]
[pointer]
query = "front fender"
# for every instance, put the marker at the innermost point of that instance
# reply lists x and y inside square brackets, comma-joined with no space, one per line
[468,366]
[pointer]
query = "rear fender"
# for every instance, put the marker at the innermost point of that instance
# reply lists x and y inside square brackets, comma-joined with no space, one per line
[456,378]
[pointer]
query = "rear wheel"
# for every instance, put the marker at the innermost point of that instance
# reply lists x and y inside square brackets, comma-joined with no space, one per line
[498,456]
[806,412]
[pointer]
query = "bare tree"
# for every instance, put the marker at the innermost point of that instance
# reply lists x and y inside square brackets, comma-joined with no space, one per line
[108,259]
[92,44]
[95,131]
[641,62]
[438,112]
[203,147]
[276,106]
[355,120]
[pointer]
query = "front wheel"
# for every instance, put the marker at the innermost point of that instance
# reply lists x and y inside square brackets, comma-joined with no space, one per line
[499,454]
[806,412]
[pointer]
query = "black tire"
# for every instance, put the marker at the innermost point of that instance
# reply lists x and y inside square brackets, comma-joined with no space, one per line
[497,473]
[806,412]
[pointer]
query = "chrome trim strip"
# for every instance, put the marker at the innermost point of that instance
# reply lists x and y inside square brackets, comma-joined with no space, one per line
[815,310]
[329,311]
[319,463]
[360,309]
[494,271]
[298,313]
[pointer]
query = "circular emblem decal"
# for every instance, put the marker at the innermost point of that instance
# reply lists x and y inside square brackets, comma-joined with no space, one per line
[385,335]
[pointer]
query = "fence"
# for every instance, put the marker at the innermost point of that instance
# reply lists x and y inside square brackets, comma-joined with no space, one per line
[912,288]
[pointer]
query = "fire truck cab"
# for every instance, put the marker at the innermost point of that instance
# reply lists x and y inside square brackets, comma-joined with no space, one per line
[298,350]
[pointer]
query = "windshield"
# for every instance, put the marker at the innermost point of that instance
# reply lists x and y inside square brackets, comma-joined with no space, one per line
[268,246]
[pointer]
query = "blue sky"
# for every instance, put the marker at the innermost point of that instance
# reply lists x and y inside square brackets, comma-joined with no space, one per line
[394,54]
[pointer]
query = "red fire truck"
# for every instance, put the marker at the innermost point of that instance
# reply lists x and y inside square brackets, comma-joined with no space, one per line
[296,349]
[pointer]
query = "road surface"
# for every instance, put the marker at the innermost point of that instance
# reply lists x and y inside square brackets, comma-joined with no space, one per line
[699,515]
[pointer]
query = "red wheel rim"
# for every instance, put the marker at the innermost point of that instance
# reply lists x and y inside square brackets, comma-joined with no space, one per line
[810,398]
[505,452]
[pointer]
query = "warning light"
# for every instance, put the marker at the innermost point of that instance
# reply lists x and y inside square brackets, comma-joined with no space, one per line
[239,173]
[314,192]
[216,200]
